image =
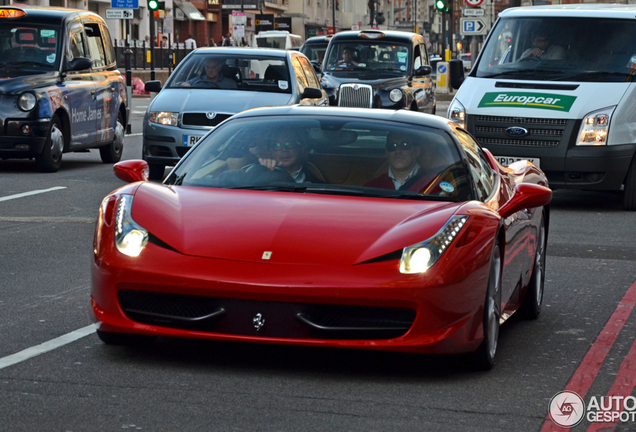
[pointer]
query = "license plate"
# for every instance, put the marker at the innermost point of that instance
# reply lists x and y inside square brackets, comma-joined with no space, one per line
[190,140]
[507,160]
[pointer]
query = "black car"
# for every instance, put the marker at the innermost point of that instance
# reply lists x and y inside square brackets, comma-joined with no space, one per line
[378,69]
[60,87]
[315,48]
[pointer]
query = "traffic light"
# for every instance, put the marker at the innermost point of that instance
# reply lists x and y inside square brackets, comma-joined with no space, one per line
[154,5]
[439,4]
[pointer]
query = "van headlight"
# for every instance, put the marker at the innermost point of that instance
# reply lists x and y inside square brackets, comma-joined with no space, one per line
[595,126]
[457,113]
[421,256]
[164,118]
[26,101]
[130,237]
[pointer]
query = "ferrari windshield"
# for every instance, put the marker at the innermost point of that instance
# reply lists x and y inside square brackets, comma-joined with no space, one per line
[327,154]
[368,55]
[27,48]
[560,49]
[232,72]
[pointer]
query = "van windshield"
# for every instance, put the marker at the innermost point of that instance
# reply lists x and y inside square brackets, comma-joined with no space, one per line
[278,42]
[28,49]
[560,49]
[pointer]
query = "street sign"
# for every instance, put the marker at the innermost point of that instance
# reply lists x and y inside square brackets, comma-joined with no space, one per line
[124,4]
[239,18]
[472,27]
[355,27]
[119,14]
[473,12]
[474,3]
[239,31]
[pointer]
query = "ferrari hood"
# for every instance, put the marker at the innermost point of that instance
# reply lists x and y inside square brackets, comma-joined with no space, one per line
[284,227]
[224,101]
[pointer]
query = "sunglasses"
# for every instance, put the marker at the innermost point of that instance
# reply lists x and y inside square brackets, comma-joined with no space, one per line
[288,145]
[393,146]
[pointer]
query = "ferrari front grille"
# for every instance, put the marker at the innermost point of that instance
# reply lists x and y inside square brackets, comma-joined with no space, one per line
[355,96]
[279,319]
[203,119]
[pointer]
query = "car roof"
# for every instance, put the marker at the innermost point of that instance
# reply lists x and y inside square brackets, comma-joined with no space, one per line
[47,15]
[401,116]
[384,35]
[588,10]
[273,52]
[318,39]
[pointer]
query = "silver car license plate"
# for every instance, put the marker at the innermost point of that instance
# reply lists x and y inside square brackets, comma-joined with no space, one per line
[190,140]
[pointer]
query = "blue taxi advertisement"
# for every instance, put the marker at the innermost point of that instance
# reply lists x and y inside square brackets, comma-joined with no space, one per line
[60,90]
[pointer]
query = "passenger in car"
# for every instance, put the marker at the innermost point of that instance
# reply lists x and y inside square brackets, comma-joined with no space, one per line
[405,173]
[212,75]
[347,58]
[542,47]
[289,153]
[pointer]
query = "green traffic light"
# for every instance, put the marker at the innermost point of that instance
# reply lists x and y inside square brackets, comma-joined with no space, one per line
[440,5]
[153,5]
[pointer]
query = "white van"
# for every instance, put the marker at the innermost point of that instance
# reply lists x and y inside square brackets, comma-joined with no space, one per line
[277,39]
[557,85]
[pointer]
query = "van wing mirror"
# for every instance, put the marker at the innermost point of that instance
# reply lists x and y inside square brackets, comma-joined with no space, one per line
[153,86]
[79,64]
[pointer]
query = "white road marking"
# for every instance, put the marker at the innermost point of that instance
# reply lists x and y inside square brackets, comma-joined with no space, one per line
[53,219]
[35,192]
[46,346]
[135,134]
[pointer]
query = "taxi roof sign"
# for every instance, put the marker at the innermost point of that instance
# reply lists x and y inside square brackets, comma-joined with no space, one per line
[12,13]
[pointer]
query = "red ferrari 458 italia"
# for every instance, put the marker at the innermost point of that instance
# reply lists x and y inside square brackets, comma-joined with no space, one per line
[351,228]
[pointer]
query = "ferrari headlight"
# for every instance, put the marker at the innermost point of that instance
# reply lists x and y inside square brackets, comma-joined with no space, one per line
[457,113]
[420,257]
[164,118]
[26,101]
[595,126]
[130,237]
[395,95]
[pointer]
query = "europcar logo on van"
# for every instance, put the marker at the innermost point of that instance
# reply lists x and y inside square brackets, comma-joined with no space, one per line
[527,100]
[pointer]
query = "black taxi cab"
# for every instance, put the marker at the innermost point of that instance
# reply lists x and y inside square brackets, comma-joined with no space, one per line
[378,69]
[60,90]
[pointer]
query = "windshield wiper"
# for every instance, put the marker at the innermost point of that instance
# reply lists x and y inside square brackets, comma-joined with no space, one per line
[594,75]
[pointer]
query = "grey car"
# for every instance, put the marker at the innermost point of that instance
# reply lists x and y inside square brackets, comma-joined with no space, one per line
[212,84]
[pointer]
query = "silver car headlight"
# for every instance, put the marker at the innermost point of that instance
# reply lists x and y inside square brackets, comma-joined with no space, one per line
[421,256]
[457,113]
[395,95]
[164,118]
[130,237]
[593,131]
[27,101]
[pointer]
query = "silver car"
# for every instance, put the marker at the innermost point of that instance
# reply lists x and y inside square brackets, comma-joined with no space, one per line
[212,84]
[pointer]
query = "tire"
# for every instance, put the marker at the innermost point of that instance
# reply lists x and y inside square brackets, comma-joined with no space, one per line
[629,197]
[484,357]
[531,306]
[111,153]
[155,171]
[50,159]
[125,339]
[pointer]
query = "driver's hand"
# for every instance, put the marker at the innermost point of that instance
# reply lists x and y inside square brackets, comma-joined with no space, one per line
[270,164]
[536,52]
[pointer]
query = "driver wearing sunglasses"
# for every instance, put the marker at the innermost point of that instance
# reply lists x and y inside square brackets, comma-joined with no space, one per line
[402,152]
[288,153]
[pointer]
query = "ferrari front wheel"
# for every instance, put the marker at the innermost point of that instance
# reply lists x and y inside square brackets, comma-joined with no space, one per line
[484,357]
[126,339]
[531,306]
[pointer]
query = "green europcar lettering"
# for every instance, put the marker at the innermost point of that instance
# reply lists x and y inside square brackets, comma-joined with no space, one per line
[549,101]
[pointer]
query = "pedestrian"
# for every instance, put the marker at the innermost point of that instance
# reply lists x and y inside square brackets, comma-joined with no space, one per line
[164,42]
[190,43]
[212,43]
[156,42]
[228,41]
[147,42]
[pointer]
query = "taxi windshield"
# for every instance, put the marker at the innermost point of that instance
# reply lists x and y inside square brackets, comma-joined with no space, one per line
[327,155]
[373,55]
[26,48]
